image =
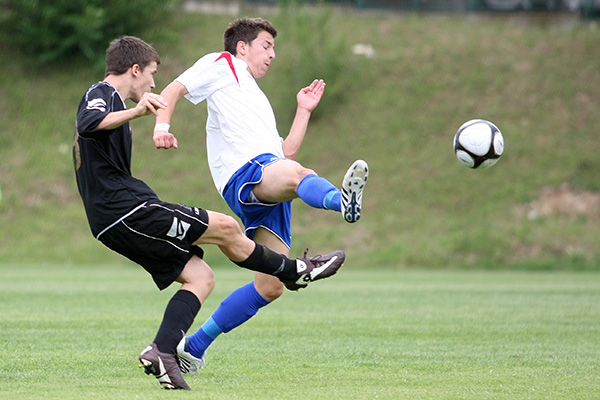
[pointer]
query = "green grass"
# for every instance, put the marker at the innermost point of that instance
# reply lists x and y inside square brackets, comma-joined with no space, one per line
[414,314]
[73,332]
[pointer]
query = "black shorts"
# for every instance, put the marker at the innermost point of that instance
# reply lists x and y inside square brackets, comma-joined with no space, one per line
[159,236]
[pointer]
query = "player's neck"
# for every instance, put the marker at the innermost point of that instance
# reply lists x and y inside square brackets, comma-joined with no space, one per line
[121,83]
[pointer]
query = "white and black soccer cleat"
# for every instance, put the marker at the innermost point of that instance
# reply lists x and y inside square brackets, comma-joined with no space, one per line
[188,364]
[315,268]
[352,190]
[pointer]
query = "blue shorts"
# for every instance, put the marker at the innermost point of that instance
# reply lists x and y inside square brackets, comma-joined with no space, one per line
[275,217]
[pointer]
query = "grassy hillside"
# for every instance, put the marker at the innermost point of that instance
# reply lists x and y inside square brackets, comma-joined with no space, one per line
[398,110]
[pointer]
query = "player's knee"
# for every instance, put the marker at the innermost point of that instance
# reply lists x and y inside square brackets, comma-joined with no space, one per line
[272,291]
[198,278]
[230,227]
[301,173]
[226,226]
[202,274]
[208,280]
[294,171]
[203,284]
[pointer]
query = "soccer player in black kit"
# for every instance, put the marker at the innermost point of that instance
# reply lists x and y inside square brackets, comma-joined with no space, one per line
[128,217]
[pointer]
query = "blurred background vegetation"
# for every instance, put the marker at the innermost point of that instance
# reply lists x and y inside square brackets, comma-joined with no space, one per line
[52,30]
[399,84]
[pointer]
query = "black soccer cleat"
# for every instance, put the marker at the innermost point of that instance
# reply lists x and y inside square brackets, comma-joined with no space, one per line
[315,268]
[164,367]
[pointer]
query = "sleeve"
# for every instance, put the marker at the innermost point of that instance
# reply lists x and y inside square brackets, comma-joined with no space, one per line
[209,74]
[93,109]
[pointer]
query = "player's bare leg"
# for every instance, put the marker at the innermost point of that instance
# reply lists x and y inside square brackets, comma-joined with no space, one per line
[280,181]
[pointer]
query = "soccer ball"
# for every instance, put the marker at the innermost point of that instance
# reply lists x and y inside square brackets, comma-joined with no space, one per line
[478,143]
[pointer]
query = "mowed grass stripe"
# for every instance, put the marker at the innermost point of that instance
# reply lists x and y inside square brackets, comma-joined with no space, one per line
[69,332]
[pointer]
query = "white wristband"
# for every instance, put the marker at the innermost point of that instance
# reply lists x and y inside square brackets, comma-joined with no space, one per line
[162,127]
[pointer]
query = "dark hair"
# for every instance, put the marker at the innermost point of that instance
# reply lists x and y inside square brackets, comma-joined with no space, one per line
[125,51]
[246,30]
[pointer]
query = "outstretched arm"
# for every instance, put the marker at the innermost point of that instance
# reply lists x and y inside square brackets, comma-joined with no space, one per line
[149,103]
[162,138]
[308,98]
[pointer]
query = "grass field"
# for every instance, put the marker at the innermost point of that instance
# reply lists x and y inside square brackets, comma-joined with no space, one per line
[71,332]
[448,290]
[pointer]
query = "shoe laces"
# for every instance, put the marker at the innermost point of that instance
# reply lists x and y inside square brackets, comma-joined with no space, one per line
[310,258]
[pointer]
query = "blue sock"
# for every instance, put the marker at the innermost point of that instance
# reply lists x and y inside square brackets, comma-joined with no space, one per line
[318,192]
[241,305]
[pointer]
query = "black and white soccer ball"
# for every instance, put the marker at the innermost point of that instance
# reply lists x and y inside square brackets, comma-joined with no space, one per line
[478,143]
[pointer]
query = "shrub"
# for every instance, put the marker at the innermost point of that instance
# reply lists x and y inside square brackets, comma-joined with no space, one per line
[52,29]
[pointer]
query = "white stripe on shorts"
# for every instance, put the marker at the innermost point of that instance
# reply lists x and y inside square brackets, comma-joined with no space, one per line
[120,219]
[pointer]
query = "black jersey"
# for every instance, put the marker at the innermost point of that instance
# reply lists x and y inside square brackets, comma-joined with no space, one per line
[103,161]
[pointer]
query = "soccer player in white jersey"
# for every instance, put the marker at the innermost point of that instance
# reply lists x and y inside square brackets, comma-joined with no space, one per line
[253,168]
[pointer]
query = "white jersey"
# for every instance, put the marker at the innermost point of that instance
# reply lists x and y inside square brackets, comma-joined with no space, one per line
[241,123]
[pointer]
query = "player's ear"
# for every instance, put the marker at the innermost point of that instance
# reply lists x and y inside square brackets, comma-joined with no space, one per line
[135,70]
[241,48]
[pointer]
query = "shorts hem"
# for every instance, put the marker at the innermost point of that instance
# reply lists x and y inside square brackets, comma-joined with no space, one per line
[254,228]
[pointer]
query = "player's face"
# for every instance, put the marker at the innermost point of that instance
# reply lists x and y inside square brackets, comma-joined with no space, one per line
[145,81]
[259,54]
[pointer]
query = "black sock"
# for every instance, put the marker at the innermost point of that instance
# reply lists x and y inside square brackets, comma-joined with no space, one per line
[179,316]
[265,260]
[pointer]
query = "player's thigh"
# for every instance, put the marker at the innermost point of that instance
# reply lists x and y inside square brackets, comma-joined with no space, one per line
[266,238]
[280,180]
[221,228]
[225,232]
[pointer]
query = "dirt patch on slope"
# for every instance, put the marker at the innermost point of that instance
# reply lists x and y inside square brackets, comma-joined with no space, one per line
[564,200]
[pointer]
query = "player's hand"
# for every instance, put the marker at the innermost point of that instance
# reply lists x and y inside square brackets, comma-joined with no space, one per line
[309,97]
[164,140]
[150,103]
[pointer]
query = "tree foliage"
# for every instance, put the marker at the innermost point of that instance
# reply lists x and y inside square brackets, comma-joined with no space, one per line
[52,29]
